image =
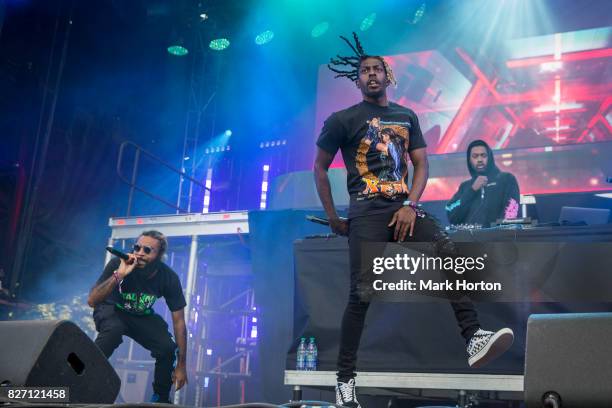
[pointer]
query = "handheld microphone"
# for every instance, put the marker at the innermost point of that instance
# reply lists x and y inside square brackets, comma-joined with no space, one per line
[319,220]
[117,253]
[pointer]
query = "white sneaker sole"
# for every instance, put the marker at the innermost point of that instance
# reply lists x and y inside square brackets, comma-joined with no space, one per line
[500,342]
[341,404]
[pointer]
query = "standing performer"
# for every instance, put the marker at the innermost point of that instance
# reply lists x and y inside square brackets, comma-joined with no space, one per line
[383,209]
[123,299]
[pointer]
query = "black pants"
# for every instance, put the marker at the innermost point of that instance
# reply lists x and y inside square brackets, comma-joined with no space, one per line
[373,228]
[150,331]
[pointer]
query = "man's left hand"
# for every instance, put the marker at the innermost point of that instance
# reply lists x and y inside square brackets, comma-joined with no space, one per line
[404,220]
[179,376]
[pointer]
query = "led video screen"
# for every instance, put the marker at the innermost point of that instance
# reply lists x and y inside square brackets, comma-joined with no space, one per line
[542,103]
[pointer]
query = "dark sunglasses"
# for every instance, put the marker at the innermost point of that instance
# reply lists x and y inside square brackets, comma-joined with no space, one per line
[147,249]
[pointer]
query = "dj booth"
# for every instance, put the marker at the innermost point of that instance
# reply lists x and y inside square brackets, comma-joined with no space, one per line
[405,346]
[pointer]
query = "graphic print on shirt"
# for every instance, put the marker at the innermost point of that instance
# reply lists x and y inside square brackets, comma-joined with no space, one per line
[381,159]
[140,303]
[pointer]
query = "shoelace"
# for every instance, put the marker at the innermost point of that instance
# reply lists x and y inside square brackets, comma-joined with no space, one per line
[346,389]
[477,342]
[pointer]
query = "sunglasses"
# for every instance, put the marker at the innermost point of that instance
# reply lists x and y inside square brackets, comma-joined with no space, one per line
[147,249]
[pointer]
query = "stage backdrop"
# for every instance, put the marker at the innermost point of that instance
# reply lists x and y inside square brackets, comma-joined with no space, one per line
[542,103]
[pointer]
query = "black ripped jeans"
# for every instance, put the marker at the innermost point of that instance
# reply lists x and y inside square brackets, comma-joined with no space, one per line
[150,331]
[373,228]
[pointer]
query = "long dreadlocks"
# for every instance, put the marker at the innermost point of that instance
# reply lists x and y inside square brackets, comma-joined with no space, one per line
[354,62]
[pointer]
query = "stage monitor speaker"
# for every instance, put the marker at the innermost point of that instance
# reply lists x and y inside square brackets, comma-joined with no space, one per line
[52,353]
[567,360]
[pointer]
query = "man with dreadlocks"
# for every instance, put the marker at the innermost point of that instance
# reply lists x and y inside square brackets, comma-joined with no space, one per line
[382,208]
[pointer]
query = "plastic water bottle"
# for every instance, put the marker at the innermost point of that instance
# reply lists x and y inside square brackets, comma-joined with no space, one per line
[301,355]
[311,355]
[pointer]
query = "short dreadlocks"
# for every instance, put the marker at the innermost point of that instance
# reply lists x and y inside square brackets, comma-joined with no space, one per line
[355,61]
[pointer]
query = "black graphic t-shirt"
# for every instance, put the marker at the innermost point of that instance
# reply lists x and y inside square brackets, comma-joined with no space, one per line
[141,288]
[374,141]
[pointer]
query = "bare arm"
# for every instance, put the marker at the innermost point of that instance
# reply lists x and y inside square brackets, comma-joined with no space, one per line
[179,376]
[101,291]
[421,173]
[321,166]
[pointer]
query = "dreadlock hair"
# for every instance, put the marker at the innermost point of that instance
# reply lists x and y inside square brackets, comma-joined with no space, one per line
[354,62]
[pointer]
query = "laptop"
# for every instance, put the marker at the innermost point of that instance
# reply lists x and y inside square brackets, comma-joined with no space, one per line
[589,216]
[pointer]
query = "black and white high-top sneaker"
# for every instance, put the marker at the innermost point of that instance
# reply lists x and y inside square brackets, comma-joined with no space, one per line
[486,346]
[345,394]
